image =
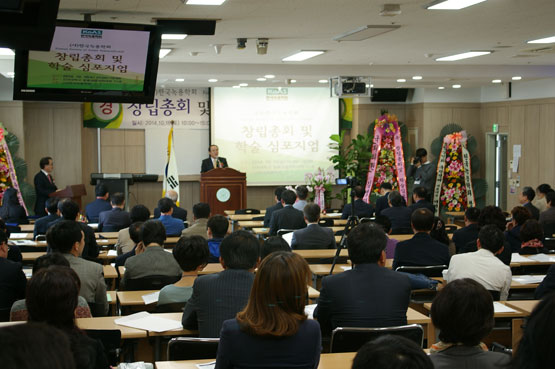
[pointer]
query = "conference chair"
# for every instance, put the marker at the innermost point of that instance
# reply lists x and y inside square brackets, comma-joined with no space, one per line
[326,222]
[283,231]
[111,340]
[350,339]
[450,228]
[256,219]
[247,211]
[192,348]
[175,307]
[152,282]
[428,270]
[366,220]
[495,295]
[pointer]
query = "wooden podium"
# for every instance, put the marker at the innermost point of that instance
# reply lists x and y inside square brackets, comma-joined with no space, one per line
[223,189]
[74,192]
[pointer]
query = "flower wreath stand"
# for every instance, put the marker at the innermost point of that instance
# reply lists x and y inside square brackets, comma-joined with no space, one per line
[8,177]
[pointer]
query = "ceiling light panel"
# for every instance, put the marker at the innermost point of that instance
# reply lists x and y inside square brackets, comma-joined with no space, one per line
[172,36]
[452,4]
[205,2]
[164,52]
[303,55]
[470,54]
[546,40]
[365,32]
[6,52]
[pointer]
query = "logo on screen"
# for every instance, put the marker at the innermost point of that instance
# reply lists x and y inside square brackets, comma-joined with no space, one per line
[276,91]
[91,33]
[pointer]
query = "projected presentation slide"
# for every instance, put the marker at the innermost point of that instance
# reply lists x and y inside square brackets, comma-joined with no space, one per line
[275,135]
[94,59]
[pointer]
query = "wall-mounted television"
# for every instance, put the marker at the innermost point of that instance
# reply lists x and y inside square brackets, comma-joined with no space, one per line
[91,61]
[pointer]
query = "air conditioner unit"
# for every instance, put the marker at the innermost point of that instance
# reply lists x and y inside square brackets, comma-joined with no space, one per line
[350,86]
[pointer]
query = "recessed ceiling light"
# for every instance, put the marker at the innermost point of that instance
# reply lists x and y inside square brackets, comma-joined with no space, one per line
[6,52]
[303,55]
[173,36]
[452,4]
[470,54]
[164,52]
[417,77]
[496,81]
[371,85]
[367,85]
[456,86]
[293,81]
[401,80]
[243,84]
[441,88]
[546,40]
[517,78]
[212,80]
[269,76]
[261,79]
[236,86]
[205,2]
[323,81]
[179,79]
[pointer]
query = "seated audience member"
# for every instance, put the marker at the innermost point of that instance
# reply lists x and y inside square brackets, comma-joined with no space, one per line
[391,352]
[547,285]
[34,346]
[11,210]
[463,313]
[302,194]
[218,297]
[191,253]
[492,215]
[525,199]
[313,236]
[134,234]
[288,217]
[482,265]
[12,279]
[540,201]
[276,206]
[369,295]
[138,214]
[420,200]
[19,308]
[531,235]
[201,212]
[273,331]
[382,202]
[70,211]
[67,238]
[421,249]
[548,216]
[520,215]
[100,204]
[14,254]
[174,226]
[398,214]
[41,224]
[216,229]
[468,233]
[52,297]
[115,219]
[273,244]
[385,223]
[439,233]
[362,209]
[178,212]
[153,260]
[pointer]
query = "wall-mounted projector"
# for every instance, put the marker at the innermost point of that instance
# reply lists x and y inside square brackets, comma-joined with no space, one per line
[350,86]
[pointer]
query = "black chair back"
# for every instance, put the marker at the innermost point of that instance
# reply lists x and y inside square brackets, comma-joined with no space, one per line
[192,348]
[495,295]
[401,230]
[97,310]
[450,228]
[111,340]
[346,339]
[283,231]
[152,282]
[176,307]
[247,211]
[258,218]
[326,222]
[428,271]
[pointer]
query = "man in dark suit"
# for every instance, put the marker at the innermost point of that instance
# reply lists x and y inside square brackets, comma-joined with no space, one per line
[420,200]
[116,219]
[288,217]
[383,201]
[276,206]
[214,161]
[41,225]
[99,205]
[369,295]
[44,185]
[178,212]
[218,297]
[421,249]
[398,214]
[362,209]
[313,236]
[469,233]
[12,280]
[525,198]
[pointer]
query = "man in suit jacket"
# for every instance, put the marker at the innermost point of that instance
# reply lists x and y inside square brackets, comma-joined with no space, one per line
[100,204]
[41,224]
[214,161]
[421,249]
[383,201]
[276,206]
[313,236]
[44,185]
[422,171]
[525,198]
[398,214]
[369,295]
[201,212]
[469,233]
[288,217]
[420,200]
[173,225]
[12,279]
[67,238]
[153,260]
[115,219]
[178,213]
[139,214]
[362,209]
[218,297]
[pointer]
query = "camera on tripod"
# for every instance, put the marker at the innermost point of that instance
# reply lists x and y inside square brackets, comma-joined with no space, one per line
[417,160]
[349,181]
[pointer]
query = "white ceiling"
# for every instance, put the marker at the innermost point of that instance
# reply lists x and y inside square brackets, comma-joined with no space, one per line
[502,26]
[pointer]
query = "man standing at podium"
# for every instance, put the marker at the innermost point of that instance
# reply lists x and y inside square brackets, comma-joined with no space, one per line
[44,184]
[214,161]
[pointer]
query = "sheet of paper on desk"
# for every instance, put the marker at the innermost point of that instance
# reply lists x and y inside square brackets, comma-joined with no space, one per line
[333,215]
[112,253]
[24,243]
[28,272]
[15,236]
[501,308]
[210,365]
[108,297]
[542,258]
[151,298]
[528,279]
[148,322]
[346,267]
[309,310]
[517,258]
[93,225]
[288,237]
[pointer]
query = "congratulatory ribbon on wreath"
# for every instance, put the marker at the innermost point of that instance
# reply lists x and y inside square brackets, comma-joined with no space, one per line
[8,177]
[171,176]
